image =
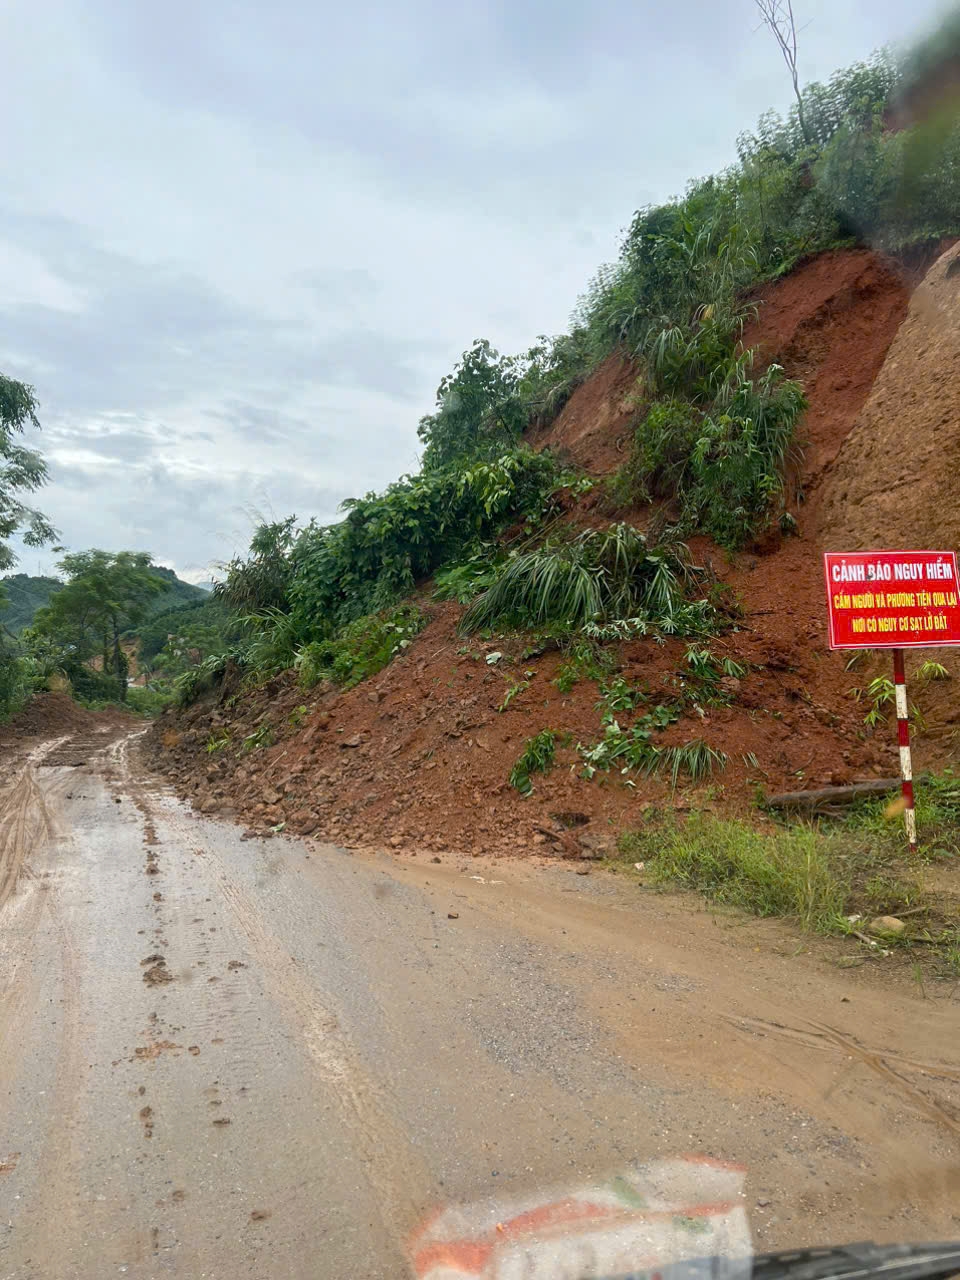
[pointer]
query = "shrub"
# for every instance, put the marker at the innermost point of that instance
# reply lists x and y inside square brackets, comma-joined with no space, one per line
[389,541]
[663,445]
[91,686]
[361,648]
[472,573]
[198,680]
[725,467]
[16,684]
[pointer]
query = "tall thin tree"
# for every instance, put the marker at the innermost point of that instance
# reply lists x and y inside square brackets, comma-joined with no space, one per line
[778,16]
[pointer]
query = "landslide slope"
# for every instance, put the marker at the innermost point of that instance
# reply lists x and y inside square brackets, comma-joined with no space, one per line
[893,482]
[420,754]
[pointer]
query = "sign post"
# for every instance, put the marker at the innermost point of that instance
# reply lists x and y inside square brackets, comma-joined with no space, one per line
[903,738]
[894,600]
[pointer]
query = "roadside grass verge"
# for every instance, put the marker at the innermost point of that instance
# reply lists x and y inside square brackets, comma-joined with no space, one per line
[829,880]
[781,873]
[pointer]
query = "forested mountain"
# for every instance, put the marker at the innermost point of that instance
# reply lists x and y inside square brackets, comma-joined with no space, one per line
[26,593]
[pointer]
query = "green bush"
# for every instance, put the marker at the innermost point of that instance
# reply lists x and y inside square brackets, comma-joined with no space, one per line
[206,675]
[725,467]
[663,445]
[390,541]
[469,575]
[148,700]
[360,649]
[16,683]
[90,686]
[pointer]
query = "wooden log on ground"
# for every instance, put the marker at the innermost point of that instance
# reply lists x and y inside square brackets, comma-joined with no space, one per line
[816,800]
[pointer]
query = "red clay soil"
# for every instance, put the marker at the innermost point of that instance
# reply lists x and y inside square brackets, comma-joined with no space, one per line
[594,427]
[419,756]
[830,324]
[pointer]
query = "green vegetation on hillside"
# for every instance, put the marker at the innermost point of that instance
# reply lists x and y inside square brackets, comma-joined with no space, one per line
[22,472]
[21,595]
[712,441]
[862,158]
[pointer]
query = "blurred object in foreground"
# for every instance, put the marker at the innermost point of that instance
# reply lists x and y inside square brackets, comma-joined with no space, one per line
[928,105]
[895,808]
[687,1210]
[930,75]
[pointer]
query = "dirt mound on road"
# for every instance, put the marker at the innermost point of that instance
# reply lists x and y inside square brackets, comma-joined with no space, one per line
[52,715]
[419,756]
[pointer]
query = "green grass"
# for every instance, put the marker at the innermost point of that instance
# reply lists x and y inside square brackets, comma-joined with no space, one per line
[583,660]
[937,799]
[599,576]
[830,879]
[783,873]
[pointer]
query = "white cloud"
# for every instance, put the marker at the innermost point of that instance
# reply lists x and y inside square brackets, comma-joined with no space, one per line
[245,241]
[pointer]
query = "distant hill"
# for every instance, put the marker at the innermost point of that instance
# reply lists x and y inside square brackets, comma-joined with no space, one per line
[180,592]
[26,594]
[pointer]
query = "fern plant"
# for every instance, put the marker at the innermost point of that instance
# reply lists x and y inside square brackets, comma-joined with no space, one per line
[600,575]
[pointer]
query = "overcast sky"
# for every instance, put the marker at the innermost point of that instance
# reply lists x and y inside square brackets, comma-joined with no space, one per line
[241,242]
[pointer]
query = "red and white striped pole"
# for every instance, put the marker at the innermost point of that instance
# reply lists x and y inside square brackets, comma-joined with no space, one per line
[903,737]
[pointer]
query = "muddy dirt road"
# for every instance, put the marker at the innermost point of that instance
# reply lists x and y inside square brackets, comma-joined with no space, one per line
[228,1058]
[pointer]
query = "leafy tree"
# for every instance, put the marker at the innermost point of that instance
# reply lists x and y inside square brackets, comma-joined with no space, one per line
[480,411]
[105,595]
[22,471]
[262,580]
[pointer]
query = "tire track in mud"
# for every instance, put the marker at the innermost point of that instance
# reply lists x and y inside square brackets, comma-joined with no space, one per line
[394,1172]
[395,1175]
[27,824]
[822,1036]
[24,821]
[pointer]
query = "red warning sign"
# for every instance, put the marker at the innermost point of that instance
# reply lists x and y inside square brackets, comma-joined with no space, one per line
[892,599]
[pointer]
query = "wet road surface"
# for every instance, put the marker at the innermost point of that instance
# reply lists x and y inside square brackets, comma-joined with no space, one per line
[270,1058]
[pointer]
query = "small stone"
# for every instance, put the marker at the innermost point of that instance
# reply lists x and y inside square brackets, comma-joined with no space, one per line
[452,915]
[887,925]
[355,741]
[397,841]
